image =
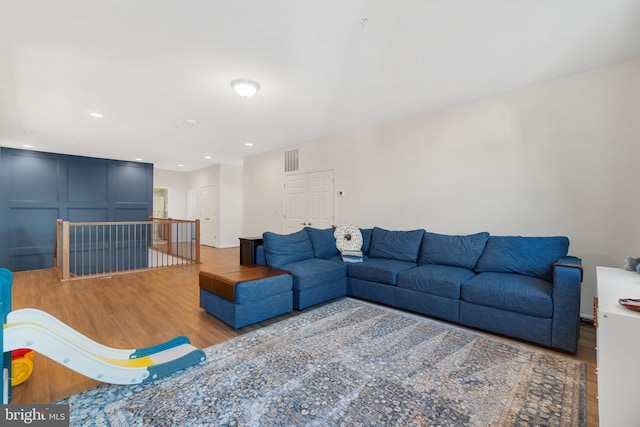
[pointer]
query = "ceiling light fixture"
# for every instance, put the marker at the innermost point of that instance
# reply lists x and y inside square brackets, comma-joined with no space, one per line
[249,144]
[138,159]
[27,146]
[180,165]
[192,121]
[245,88]
[207,157]
[96,115]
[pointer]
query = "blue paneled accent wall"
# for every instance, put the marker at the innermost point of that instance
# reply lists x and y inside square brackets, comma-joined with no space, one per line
[38,188]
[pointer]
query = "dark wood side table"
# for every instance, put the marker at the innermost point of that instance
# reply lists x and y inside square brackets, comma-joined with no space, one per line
[248,247]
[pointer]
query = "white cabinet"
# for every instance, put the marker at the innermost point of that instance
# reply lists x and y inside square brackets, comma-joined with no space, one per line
[618,349]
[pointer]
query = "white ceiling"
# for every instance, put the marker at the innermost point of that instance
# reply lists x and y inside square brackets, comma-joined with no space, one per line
[149,65]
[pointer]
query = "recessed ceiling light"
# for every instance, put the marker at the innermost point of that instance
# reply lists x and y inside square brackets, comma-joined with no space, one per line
[249,144]
[27,146]
[138,159]
[245,88]
[180,165]
[192,121]
[207,157]
[96,115]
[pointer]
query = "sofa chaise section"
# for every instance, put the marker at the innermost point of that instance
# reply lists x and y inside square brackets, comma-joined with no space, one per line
[315,279]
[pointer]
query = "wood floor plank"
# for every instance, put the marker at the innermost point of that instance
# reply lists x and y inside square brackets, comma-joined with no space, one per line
[143,309]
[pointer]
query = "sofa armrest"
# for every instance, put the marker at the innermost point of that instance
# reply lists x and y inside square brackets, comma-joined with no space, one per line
[570,262]
[567,284]
[261,258]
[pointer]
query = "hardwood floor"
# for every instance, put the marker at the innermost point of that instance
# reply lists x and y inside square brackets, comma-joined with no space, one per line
[143,309]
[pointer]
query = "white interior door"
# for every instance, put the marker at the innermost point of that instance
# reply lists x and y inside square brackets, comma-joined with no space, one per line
[321,199]
[208,214]
[295,212]
[192,204]
[309,201]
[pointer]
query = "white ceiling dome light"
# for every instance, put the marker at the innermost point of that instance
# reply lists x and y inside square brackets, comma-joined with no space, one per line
[245,88]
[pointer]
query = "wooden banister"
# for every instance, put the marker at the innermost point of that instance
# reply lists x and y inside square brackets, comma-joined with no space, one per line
[106,248]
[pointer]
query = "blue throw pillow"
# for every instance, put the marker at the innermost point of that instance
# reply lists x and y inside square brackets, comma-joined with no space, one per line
[531,256]
[283,249]
[366,239]
[456,251]
[323,242]
[398,245]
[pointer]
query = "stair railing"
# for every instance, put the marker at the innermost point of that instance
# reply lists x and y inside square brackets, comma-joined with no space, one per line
[89,249]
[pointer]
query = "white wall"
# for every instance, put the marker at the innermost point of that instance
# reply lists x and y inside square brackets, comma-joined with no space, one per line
[263,187]
[230,205]
[204,177]
[559,158]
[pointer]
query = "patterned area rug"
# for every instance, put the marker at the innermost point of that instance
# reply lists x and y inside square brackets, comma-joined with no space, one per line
[351,363]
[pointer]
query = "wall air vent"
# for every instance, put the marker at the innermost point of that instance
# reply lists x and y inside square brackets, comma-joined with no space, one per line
[291,160]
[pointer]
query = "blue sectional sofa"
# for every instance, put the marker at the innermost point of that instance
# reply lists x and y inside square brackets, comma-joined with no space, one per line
[523,287]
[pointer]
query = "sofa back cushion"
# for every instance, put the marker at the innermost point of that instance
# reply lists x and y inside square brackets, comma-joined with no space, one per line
[366,239]
[398,245]
[531,256]
[323,242]
[456,251]
[283,249]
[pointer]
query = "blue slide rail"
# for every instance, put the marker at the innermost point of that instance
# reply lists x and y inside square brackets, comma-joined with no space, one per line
[6,281]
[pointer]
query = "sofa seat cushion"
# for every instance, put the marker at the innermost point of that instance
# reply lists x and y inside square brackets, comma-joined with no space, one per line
[379,270]
[440,280]
[336,258]
[512,292]
[315,272]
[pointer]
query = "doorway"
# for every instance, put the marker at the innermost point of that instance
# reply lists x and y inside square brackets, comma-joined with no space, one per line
[160,202]
[309,201]
[160,210]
